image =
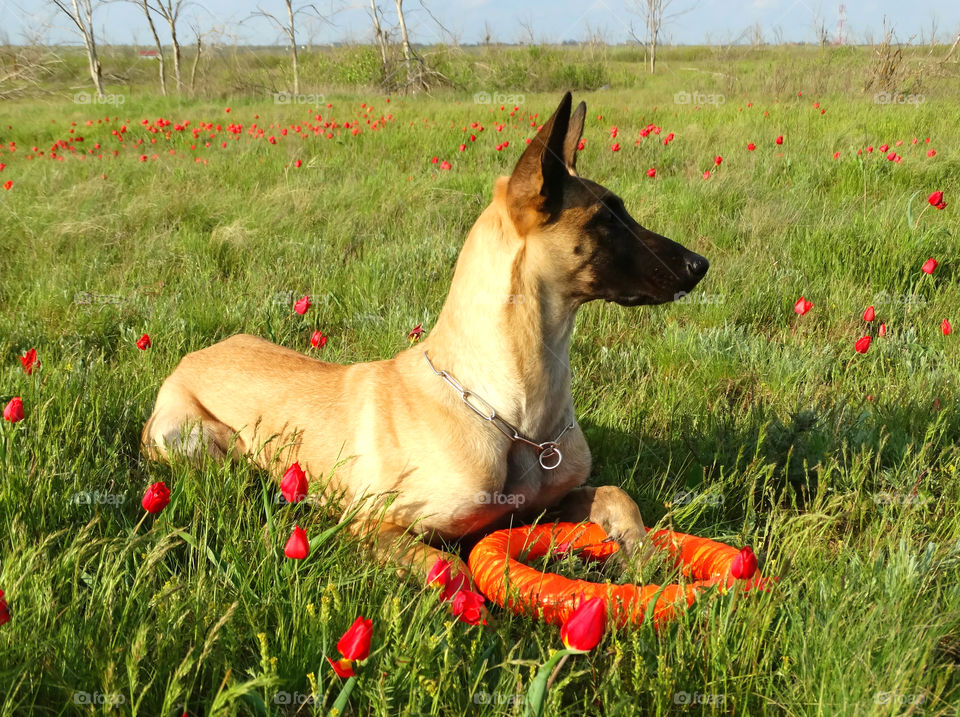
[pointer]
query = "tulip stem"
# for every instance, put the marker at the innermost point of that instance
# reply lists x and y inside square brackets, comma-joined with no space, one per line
[341,704]
[137,527]
[556,670]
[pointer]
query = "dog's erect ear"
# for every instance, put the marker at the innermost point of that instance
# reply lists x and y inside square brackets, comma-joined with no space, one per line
[536,182]
[574,133]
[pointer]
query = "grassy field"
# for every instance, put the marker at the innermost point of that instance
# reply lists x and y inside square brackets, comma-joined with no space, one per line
[725,415]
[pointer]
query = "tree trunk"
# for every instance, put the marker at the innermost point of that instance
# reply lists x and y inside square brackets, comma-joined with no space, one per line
[381,39]
[85,22]
[176,54]
[654,18]
[405,40]
[156,40]
[196,62]
[293,49]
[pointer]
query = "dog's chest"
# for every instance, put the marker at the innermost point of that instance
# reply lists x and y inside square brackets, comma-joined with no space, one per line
[533,487]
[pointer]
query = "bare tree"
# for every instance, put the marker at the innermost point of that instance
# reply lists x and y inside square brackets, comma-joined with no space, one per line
[196,58]
[156,39]
[655,15]
[26,66]
[526,37]
[487,33]
[290,30]
[933,30]
[80,13]
[405,41]
[379,34]
[820,27]
[169,10]
[952,48]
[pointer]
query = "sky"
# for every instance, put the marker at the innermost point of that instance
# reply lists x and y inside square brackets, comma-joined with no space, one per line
[695,21]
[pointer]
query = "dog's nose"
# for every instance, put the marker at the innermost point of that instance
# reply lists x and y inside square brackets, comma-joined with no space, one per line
[696,265]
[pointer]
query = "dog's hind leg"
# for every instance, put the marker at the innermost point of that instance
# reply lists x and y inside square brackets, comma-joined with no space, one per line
[181,425]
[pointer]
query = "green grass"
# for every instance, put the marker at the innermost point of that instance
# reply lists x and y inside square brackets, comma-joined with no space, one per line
[840,469]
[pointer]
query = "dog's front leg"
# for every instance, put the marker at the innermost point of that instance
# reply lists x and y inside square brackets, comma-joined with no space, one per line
[392,543]
[612,509]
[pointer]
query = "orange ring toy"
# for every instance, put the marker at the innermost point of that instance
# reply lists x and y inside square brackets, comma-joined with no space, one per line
[525,590]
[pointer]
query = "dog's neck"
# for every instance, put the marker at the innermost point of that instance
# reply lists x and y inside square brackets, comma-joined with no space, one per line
[504,331]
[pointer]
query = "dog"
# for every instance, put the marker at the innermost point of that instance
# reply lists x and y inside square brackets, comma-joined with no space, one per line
[474,426]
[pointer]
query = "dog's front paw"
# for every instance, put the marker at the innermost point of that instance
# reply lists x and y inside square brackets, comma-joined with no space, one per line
[635,547]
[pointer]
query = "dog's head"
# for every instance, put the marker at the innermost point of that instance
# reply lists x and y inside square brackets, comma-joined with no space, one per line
[582,231]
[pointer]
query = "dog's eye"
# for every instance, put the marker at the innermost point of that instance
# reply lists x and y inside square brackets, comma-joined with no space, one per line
[609,210]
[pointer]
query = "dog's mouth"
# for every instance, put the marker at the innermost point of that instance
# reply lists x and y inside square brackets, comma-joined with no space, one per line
[636,300]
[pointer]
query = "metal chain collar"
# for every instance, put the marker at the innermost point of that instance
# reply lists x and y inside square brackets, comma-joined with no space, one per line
[548,452]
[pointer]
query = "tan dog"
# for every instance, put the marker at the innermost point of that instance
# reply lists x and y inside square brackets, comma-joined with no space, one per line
[395,437]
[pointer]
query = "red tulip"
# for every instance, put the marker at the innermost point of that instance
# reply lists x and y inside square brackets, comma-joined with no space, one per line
[929,266]
[14,410]
[445,165]
[294,484]
[751,146]
[744,565]
[892,156]
[435,160]
[615,147]
[29,361]
[298,547]
[8,184]
[869,314]
[468,607]
[883,330]
[4,610]
[143,343]
[354,645]
[581,145]
[583,630]
[439,574]
[836,155]
[863,343]
[652,172]
[717,160]
[802,306]
[453,586]
[936,200]
[156,498]
[463,148]
[302,305]
[946,328]
[318,340]
[932,153]
[343,668]
[297,164]
[779,139]
[706,174]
